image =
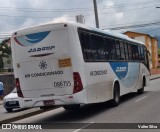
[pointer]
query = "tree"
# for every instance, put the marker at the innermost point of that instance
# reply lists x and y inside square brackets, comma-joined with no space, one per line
[159,51]
[5,51]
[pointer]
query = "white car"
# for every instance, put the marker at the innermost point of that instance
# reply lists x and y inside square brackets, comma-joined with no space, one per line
[12,101]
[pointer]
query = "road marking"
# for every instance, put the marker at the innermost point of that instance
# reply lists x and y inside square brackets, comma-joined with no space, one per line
[83,127]
[141,99]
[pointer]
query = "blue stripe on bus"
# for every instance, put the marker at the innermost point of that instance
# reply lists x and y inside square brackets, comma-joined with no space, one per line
[32,39]
[127,72]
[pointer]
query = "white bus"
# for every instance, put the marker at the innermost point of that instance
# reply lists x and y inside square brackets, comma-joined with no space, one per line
[69,64]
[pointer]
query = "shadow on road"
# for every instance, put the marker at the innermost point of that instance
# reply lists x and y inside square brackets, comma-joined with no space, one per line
[17,110]
[86,111]
[130,96]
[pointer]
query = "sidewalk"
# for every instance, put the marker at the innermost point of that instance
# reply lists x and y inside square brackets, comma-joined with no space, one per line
[156,76]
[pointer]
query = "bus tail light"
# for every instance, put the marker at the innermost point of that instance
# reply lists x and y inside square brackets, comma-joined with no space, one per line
[77,83]
[19,91]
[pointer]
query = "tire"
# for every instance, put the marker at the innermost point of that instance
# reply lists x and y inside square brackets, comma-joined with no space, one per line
[46,107]
[9,109]
[71,107]
[141,91]
[116,95]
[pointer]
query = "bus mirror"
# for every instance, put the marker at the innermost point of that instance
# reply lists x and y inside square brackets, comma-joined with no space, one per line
[148,53]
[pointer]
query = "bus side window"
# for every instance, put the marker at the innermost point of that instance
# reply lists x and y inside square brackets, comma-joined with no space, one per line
[142,54]
[133,52]
[108,48]
[82,41]
[102,49]
[139,52]
[86,46]
[130,52]
[118,50]
[146,60]
[98,47]
[112,48]
[122,50]
[126,51]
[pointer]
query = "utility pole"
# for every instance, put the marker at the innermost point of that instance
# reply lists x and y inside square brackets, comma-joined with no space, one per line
[96,13]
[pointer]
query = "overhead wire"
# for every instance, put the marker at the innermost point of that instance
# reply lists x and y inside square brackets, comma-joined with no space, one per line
[44,17]
[72,9]
[153,30]
[84,9]
[133,26]
[135,9]
[131,23]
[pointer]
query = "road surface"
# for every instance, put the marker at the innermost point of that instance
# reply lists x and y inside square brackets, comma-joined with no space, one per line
[133,108]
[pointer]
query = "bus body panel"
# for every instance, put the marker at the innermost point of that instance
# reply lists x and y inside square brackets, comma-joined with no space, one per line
[40,62]
[100,79]
[46,68]
[98,82]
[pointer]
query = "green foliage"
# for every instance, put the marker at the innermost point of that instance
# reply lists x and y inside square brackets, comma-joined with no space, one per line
[5,52]
[1,63]
[159,51]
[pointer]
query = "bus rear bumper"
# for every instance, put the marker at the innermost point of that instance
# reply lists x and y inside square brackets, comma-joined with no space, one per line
[77,98]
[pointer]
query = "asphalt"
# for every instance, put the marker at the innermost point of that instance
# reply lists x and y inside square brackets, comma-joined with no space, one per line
[35,111]
[132,115]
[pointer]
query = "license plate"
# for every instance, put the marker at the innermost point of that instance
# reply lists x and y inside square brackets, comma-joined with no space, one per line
[12,102]
[48,102]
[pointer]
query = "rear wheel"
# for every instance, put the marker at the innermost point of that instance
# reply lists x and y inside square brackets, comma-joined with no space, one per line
[72,107]
[141,91]
[116,95]
[9,109]
[46,107]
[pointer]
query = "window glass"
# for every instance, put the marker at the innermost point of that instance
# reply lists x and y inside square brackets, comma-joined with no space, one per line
[112,48]
[130,52]
[145,55]
[135,55]
[98,47]
[139,52]
[86,46]
[133,52]
[136,52]
[126,51]
[122,50]
[118,50]
[142,54]
[108,49]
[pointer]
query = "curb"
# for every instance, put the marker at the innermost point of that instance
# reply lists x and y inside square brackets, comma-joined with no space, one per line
[154,78]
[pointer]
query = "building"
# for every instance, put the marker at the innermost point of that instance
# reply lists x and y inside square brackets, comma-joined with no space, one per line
[158,58]
[151,44]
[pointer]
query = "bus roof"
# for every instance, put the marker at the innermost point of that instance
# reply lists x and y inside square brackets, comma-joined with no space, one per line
[107,32]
